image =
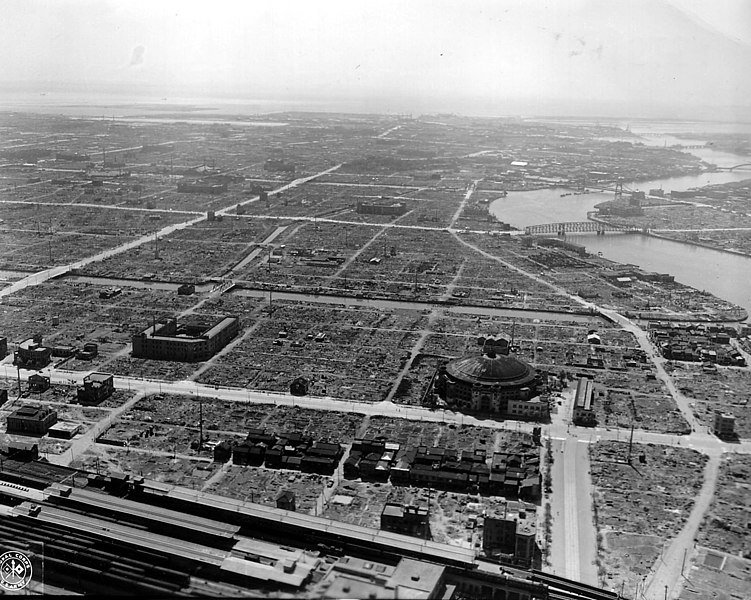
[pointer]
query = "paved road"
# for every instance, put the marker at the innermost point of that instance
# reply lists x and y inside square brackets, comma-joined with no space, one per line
[48,274]
[574,543]
[463,203]
[659,363]
[260,247]
[571,481]
[103,207]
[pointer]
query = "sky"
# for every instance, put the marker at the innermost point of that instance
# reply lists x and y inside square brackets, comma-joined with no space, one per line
[620,57]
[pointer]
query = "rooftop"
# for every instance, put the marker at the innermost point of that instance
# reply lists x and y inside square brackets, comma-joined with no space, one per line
[492,369]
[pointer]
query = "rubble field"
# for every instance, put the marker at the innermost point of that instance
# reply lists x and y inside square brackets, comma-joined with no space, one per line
[725,526]
[722,388]
[640,507]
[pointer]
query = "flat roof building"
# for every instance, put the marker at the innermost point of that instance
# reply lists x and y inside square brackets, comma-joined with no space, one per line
[354,577]
[381,208]
[184,343]
[409,520]
[510,536]
[31,420]
[724,424]
[39,383]
[96,388]
[32,355]
[64,430]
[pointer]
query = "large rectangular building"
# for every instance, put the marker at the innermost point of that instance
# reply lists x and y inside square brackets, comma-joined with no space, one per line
[584,409]
[184,343]
[31,420]
[381,208]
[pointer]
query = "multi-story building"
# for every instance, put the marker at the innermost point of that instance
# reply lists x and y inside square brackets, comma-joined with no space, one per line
[381,208]
[38,383]
[32,355]
[510,536]
[492,383]
[584,409]
[409,520]
[182,342]
[96,388]
[31,420]
[724,424]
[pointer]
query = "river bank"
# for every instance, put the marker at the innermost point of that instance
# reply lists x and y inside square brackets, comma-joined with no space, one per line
[662,236]
[699,265]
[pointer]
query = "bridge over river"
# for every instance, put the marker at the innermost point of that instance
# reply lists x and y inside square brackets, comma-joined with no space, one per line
[733,167]
[577,227]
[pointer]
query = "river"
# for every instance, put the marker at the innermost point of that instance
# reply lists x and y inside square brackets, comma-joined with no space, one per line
[724,274]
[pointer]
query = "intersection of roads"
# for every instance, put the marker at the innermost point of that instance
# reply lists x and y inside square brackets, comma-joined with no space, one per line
[574,547]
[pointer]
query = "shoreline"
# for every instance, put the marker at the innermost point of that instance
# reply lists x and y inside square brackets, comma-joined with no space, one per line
[694,243]
[662,236]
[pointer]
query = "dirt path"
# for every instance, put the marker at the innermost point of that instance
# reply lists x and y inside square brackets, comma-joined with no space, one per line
[666,577]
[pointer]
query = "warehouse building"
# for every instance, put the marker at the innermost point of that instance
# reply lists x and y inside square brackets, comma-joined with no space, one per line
[584,402]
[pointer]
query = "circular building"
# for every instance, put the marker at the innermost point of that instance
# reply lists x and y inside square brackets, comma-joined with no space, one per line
[492,383]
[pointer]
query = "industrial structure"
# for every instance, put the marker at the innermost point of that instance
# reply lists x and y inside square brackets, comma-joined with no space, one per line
[183,540]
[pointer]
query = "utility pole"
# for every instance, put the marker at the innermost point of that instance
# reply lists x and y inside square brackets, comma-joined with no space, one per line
[200,423]
[630,443]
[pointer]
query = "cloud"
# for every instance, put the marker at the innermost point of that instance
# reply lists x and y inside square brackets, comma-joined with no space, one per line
[137,57]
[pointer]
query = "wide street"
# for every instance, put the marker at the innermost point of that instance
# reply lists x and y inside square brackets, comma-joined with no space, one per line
[574,547]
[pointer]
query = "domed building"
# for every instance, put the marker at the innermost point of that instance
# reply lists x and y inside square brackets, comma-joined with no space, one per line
[492,383]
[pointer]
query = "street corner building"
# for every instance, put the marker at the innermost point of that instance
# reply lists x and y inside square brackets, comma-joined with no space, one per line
[492,383]
[184,342]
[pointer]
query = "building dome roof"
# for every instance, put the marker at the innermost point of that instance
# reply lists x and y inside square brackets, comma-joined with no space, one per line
[491,369]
